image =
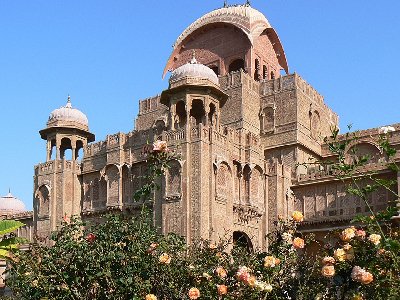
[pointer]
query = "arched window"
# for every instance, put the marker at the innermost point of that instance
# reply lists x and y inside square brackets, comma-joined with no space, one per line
[66,149]
[265,72]
[113,185]
[43,201]
[180,114]
[241,239]
[316,125]
[212,115]
[272,75]
[173,182]
[197,111]
[236,65]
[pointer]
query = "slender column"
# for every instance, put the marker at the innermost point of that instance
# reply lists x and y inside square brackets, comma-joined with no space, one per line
[58,149]
[48,149]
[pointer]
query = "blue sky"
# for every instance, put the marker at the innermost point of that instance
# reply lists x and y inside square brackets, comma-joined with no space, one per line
[109,54]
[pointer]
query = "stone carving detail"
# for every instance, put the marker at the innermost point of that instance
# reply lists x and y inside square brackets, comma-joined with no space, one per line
[246,214]
[195,191]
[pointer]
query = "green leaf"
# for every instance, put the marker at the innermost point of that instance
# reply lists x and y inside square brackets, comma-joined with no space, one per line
[7,226]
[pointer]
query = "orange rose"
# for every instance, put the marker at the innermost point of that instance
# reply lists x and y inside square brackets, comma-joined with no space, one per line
[251,281]
[194,293]
[297,216]
[270,261]
[298,243]
[164,258]
[328,260]
[366,277]
[151,297]
[160,146]
[222,289]
[221,272]
[328,271]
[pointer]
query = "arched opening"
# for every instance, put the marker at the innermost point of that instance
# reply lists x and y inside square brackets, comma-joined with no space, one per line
[197,112]
[53,151]
[79,150]
[113,174]
[256,70]
[66,149]
[241,239]
[215,69]
[212,115]
[43,201]
[265,72]
[159,126]
[272,75]
[180,114]
[236,65]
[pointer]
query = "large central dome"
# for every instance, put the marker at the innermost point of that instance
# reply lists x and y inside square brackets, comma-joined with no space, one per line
[248,19]
[231,33]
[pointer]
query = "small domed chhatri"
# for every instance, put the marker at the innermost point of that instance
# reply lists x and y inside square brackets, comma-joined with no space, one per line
[194,69]
[68,116]
[11,205]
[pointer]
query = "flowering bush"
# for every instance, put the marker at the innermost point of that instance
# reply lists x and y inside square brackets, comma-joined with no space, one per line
[126,258]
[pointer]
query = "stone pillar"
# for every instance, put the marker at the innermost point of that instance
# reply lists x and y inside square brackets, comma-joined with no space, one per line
[58,148]
[48,150]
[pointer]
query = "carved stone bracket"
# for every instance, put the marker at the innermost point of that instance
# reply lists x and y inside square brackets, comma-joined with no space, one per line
[246,213]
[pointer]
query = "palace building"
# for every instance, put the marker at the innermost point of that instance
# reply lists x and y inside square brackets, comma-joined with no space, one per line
[241,129]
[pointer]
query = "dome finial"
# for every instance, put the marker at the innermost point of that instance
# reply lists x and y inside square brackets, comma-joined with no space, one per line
[225,3]
[248,3]
[69,105]
[193,60]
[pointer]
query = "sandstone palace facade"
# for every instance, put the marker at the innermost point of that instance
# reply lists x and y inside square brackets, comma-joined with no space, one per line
[241,129]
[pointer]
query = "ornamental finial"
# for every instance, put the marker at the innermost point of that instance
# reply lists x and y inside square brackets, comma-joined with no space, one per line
[248,3]
[193,60]
[69,105]
[225,3]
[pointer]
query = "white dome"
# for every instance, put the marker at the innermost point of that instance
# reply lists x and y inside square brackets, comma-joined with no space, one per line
[194,69]
[69,114]
[11,204]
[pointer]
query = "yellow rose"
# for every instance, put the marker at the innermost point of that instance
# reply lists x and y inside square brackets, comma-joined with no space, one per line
[297,216]
[151,297]
[328,271]
[340,254]
[374,239]
[348,234]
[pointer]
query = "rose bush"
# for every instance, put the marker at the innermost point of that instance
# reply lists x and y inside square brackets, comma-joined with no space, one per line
[125,257]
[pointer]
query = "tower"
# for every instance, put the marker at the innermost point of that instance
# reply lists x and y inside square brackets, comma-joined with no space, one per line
[57,188]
